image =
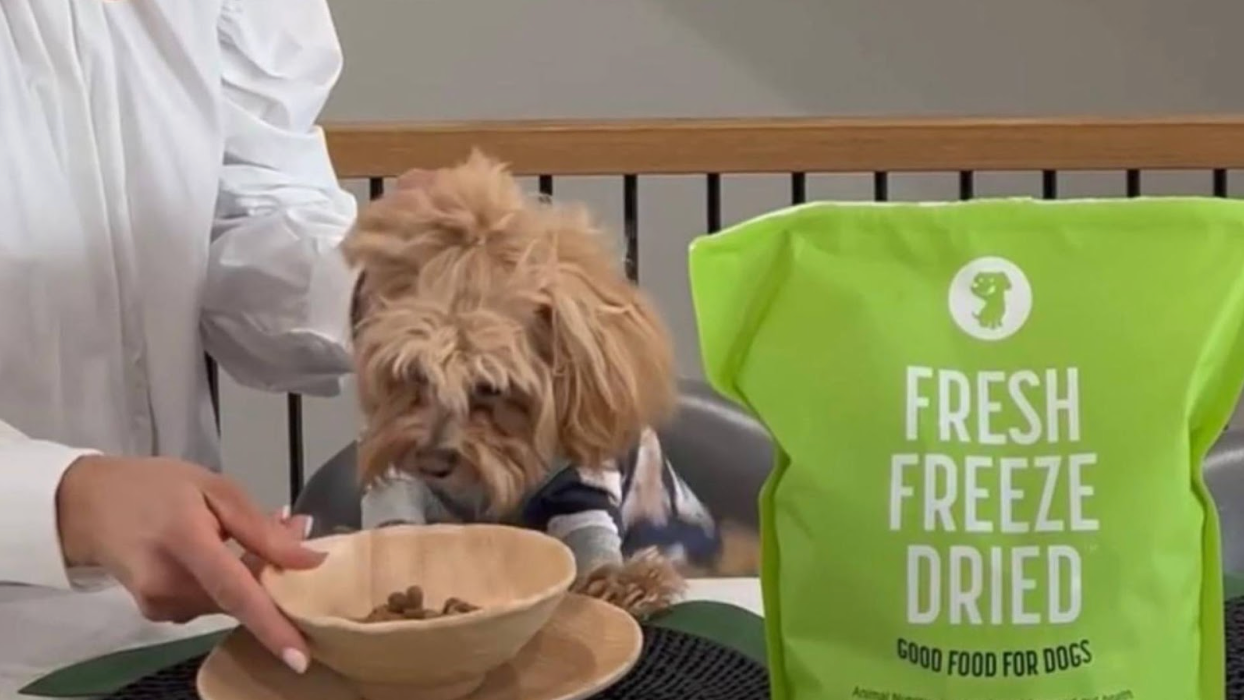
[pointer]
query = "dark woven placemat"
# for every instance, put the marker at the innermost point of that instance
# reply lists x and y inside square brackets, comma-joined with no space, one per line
[679,666]
[672,666]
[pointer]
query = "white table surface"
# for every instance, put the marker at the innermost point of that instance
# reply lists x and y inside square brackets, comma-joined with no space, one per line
[41,631]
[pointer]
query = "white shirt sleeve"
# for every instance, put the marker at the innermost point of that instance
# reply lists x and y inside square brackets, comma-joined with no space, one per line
[30,550]
[278,292]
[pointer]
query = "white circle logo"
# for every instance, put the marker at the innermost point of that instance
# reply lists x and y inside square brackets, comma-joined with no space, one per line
[990,298]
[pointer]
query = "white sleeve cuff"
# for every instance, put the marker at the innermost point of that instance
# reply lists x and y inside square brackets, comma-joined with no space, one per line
[282,322]
[330,301]
[30,549]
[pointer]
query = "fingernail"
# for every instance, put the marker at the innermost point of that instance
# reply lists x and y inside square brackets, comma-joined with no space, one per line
[296,660]
[284,513]
[306,529]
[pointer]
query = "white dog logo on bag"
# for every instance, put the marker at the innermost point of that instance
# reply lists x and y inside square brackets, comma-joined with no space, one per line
[990,298]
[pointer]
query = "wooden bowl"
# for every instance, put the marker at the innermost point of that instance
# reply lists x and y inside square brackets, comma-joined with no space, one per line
[517,578]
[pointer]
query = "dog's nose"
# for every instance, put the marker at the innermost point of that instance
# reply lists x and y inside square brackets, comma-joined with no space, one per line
[438,463]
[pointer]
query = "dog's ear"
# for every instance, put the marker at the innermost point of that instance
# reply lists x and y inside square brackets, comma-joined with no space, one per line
[612,364]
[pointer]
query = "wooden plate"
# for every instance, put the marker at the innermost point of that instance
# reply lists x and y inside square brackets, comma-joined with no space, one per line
[586,647]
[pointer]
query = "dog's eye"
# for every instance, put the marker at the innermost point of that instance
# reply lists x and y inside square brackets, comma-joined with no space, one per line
[485,390]
[485,396]
[411,385]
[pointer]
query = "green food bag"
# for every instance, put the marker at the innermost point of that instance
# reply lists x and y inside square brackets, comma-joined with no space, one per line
[990,418]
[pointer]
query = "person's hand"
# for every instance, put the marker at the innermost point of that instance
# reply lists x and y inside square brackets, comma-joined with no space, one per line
[161,528]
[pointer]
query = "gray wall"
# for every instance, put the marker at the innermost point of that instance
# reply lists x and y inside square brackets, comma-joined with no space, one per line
[482,59]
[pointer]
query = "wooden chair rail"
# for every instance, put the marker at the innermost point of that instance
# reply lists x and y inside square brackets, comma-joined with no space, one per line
[725,146]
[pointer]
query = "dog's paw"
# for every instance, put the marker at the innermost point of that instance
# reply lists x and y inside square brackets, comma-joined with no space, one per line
[646,584]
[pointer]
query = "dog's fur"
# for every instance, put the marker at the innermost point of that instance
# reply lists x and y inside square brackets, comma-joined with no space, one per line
[496,334]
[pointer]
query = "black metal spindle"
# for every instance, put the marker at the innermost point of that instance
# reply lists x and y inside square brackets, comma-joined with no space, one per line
[881,187]
[967,184]
[213,388]
[798,188]
[546,185]
[1133,183]
[712,202]
[1049,184]
[1221,182]
[630,219]
[293,417]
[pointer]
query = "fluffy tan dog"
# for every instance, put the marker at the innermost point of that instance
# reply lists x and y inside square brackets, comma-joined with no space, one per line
[508,371]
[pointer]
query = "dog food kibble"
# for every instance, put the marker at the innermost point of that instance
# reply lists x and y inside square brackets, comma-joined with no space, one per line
[453,606]
[403,600]
[408,605]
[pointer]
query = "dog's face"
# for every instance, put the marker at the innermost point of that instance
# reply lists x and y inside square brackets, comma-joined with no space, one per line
[990,285]
[498,336]
[456,394]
